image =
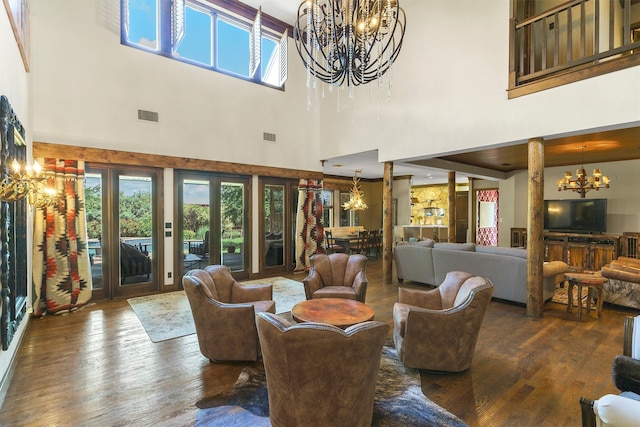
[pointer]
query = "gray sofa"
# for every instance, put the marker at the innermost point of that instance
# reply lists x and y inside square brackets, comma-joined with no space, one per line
[429,262]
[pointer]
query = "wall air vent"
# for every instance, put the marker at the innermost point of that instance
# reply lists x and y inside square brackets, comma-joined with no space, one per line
[271,137]
[149,116]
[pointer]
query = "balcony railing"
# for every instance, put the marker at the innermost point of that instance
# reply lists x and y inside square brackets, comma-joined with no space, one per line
[572,41]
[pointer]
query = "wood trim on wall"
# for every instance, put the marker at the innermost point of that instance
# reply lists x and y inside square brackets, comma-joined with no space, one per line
[337,183]
[343,183]
[573,75]
[249,12]
[99,155]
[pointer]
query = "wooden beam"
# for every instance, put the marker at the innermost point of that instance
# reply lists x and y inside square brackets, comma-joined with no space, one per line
[99,155]
[387,223]
[452,206]
[473,216]
[535,228]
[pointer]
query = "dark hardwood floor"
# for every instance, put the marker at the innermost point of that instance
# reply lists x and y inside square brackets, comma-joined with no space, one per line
[97,366]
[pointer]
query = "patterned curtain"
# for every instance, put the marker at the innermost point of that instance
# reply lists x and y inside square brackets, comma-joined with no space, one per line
[61,266]
[487,222]
[309,229]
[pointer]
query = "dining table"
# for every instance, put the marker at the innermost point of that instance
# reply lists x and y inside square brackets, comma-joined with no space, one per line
[346,241]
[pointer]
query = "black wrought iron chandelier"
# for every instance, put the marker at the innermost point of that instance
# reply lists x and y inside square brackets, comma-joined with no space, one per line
[350,42]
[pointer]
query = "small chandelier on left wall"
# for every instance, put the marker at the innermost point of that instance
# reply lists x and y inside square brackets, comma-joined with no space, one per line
[356,196]
[24,181]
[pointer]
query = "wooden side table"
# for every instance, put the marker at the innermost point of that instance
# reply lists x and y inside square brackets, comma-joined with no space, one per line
[594,283]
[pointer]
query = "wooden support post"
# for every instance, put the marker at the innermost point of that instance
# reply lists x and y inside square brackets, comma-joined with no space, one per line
[387,223]
[473,219]
[535,226]
[452,206]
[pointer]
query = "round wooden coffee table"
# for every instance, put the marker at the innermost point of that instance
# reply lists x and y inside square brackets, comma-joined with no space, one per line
[334,311]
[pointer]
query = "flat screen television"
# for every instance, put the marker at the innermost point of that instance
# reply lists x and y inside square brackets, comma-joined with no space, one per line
[576,215]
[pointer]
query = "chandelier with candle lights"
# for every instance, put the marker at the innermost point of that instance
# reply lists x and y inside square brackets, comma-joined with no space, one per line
[583,183]
[24,181]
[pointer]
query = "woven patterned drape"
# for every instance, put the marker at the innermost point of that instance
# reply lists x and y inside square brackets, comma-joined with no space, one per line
[309,229]
[61,267]
[487,226]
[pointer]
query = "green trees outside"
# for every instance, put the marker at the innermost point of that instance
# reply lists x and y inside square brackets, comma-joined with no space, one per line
[195,221]
[232,211]
[93,211]
[135,213]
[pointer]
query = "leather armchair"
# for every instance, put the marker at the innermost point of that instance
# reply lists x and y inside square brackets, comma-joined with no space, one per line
[336,275]
[224,313]
[437,329]
[318,374]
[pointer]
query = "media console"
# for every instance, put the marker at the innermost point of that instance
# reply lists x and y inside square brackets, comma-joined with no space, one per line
[581,251]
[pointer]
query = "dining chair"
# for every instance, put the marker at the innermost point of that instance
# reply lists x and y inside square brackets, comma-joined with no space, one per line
[359,244]
[331,246]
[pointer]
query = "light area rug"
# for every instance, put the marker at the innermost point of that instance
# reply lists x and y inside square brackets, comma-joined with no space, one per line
[399,400]
[167,316]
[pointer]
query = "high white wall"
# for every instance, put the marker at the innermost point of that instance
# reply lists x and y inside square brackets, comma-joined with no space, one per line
[88,87]
[448,94]
[14,84]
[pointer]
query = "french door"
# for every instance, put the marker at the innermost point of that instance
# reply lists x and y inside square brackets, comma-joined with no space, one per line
[212,222]
[278,204]
[123,208]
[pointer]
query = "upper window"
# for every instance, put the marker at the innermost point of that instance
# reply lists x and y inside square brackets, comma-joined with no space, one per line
[203,34]
[327,208]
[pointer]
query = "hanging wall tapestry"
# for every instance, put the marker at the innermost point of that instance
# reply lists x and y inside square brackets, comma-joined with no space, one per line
[309,230]
[61,266]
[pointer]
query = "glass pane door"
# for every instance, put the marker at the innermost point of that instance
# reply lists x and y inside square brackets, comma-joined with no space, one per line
[196,219]
[93,209]
[135,214]
[232,224]
[274,225]
[212,222]
[121,209]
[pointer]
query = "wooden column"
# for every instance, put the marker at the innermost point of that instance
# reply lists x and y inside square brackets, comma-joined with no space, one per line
[452,206]
[535,226]
[387,223]
[472,215]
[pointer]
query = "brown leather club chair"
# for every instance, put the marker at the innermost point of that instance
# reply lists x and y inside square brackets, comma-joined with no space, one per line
[336,276]
[319,374]
[437,329]
[224,313]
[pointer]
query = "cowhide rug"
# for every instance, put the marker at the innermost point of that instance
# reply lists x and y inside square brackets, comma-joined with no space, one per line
[399,400]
